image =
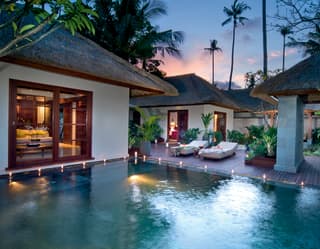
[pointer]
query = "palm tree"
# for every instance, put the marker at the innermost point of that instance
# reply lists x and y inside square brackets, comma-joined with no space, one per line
[212,49]
[124,27]
[264,38]
[234,15]
[284,31]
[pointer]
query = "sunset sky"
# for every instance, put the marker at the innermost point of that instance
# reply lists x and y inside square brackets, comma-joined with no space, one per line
[201,22]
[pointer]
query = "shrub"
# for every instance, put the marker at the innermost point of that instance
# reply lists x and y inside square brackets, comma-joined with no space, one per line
[316,136]
[218,137]
[190,135]
[266,145]
[236,136]
[255,132]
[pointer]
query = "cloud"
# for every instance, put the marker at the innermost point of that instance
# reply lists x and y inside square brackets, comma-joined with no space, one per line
[251,61]
[246,38]
[199,62]
[277,53]
[291,51]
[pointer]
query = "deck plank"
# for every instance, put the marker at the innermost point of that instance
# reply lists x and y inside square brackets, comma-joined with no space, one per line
[309,171]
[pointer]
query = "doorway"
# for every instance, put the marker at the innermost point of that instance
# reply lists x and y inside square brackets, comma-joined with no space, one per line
[220,123]
[177,124]
[48,124]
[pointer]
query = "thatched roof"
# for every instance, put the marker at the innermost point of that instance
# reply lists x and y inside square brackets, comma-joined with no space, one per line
[77,56]
[247,103]
[193,90]
[302,79]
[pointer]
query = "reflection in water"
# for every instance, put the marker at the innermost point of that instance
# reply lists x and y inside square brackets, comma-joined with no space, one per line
[155,207]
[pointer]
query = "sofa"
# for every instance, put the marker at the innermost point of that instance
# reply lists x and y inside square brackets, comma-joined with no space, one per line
[29,136]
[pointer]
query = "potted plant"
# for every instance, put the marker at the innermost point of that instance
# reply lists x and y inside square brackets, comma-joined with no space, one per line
[147,131]
[206,119]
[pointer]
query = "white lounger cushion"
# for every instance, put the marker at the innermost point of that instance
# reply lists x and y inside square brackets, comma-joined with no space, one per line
[222,150]
[187,149]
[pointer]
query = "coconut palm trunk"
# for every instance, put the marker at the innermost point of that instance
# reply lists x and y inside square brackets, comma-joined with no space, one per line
[283,52]
[234,16]
[264,38]
[212,49]
[232,53]
[213,68]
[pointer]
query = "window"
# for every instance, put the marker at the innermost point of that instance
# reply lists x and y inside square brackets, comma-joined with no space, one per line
[49,124]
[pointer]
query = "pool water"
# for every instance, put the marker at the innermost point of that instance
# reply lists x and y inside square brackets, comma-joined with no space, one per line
[144,206]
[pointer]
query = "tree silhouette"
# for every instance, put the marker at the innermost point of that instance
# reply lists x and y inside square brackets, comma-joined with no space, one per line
[234,16]
[212,49]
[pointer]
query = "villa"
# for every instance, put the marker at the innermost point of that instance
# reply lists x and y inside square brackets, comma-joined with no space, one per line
[182,112]
[65,99]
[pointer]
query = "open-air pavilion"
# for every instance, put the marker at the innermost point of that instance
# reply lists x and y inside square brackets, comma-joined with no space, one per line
[292,89]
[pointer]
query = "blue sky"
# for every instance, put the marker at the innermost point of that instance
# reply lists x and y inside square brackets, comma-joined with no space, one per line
[201,22]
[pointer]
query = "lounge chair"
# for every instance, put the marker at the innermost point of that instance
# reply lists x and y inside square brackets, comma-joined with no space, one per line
[188,149]
[220,151]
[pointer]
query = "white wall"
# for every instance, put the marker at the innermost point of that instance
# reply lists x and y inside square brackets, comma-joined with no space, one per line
[229,112]
[110,110]
[194,116]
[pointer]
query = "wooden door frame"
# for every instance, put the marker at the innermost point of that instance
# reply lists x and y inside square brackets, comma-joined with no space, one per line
[13,85]
[168,119]
[225,115]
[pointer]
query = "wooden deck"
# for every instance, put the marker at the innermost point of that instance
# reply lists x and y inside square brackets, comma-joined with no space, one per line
[309,173]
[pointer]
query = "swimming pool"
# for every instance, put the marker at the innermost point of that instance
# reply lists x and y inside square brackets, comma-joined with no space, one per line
[121,206]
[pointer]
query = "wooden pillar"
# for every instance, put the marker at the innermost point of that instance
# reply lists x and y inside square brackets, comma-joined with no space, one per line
[309,127]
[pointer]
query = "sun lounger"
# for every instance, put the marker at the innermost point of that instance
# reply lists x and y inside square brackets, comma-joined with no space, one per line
[222,150]
[188,149]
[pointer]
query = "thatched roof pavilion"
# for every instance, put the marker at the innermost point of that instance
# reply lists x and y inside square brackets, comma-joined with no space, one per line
[292,89]
[77,56]
[303,79]
[193,90]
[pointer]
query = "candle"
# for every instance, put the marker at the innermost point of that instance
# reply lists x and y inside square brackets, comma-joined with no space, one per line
[135,154]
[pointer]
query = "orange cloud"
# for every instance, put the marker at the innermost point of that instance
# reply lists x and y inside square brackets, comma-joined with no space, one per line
[277,53]
[199,62]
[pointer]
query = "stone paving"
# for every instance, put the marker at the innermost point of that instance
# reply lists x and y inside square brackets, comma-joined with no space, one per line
[308,175]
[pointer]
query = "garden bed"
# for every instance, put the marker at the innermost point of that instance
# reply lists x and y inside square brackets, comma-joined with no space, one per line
[260,161]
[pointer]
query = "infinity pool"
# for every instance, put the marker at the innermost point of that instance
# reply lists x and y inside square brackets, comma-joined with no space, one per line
[144,206]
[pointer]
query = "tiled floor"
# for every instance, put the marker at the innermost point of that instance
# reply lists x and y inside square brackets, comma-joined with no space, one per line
[309,172]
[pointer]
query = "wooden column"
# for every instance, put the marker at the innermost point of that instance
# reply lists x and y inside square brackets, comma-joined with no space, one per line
[309,126]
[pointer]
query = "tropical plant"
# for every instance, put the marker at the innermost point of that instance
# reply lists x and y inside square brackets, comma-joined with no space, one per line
[316,136]
[124,27]
[213,49]
[133,138]
[218,137]
[236,136]
[206,119]
[254,132]
[284,31]
[270,140]
[27,22]
[149,128]
[190,135]
[234,15]
[265,144]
